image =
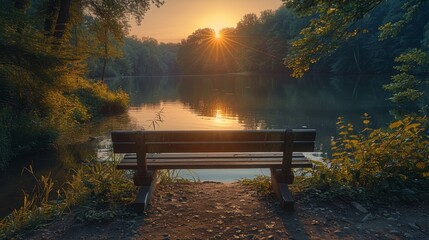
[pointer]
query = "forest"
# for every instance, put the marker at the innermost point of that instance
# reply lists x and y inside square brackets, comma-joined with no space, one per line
[260,42]
[58,57]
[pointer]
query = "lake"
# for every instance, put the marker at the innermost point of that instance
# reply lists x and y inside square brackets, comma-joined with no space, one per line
[246,101]
[232,101]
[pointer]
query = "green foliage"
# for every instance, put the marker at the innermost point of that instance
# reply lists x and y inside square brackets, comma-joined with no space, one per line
[411,60]
[97,190]
[390,29]
[170,176]
[405,85]
[140,57]
[380,161]
[99,100]
[333,23]
[30,134]
[261,184]
[42,66]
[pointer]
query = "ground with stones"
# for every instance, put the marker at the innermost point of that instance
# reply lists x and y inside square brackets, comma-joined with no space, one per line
[233,211]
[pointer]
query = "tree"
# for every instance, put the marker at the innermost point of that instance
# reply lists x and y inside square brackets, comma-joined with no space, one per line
[202,52]
[42,66]
[111,22]
[335,22]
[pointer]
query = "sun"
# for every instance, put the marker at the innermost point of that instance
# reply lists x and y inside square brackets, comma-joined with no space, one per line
[218,35]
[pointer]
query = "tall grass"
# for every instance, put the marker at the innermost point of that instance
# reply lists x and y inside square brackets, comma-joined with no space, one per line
[261,184]
[169,176]
[97,189]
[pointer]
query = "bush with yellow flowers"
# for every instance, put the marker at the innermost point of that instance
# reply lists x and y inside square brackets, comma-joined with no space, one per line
[387,160]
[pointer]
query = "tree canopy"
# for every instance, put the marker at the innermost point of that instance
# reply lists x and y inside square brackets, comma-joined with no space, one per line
[334,22]
[44,47]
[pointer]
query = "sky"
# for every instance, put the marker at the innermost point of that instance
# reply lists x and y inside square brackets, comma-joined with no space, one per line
[177,19]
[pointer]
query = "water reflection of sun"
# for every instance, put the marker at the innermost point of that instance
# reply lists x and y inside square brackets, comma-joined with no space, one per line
[218,118]
[178,116]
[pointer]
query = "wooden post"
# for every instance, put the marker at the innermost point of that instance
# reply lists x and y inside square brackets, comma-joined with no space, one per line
[281,178]
[145,192]
[287,157]
[141,173]
[281,189]
[142,177]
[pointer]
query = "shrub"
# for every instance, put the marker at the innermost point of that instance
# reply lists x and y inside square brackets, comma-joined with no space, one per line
[29,133]
[393,160]
[99,100]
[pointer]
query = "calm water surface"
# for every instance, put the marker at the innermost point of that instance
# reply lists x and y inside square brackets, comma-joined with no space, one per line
[240,101]
[235,101]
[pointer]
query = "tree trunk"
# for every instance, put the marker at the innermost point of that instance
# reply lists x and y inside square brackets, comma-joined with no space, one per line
[104,69]
[106,51]
[62,19]
[51,13]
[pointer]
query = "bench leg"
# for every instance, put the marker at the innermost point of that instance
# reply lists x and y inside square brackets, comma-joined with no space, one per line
[147,187]
[279,182]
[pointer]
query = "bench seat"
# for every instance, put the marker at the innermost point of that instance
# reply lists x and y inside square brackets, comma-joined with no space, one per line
[213,161]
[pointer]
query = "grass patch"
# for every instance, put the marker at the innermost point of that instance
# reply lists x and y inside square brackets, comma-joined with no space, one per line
[261,184]
[97,191]
[170,176]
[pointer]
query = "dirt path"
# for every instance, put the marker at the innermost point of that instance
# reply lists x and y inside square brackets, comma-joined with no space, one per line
[232,211]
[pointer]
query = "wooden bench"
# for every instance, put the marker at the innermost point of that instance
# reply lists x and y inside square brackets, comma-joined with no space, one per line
[149,151]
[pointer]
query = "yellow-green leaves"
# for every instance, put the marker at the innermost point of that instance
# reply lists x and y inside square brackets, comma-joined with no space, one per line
[331,25]
[405,86]
[368,157]
[395,124]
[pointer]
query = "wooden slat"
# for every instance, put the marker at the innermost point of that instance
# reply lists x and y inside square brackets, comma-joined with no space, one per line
[203,163]
[124,147]
[304,134]
[211,135]
[171,147]
[124,141]
[214,135]
[214,160]
[188,147]
[303,146]
[123,136]
[296,155]
[228,165]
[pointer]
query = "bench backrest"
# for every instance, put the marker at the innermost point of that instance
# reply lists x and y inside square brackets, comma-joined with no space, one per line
[142,142]
[212,141]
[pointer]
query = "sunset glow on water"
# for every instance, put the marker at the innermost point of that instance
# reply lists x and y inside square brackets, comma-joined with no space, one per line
[177,116]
